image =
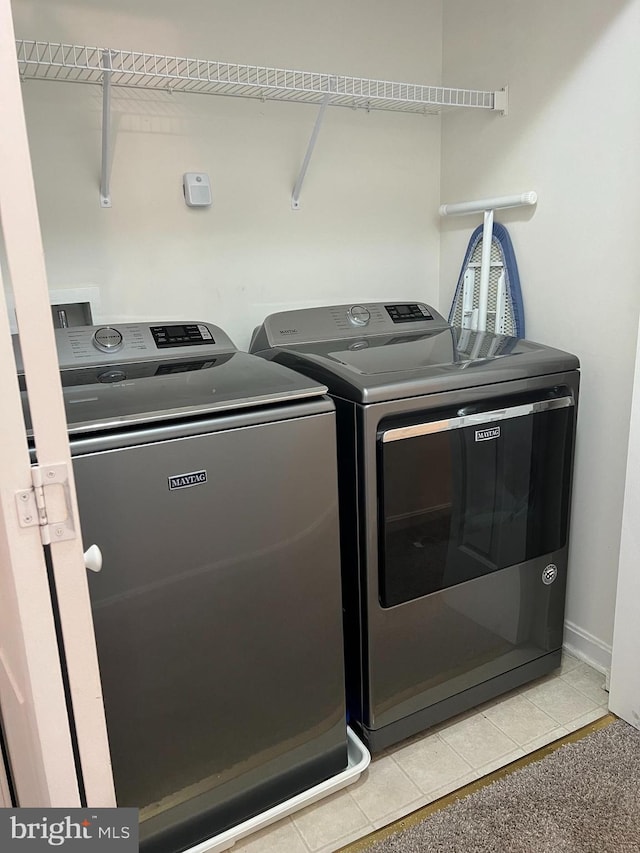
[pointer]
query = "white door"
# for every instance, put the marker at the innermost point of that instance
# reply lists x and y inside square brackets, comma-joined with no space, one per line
[624,691]
[32,702]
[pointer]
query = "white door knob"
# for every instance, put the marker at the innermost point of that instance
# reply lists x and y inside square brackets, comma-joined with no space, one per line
[93,558]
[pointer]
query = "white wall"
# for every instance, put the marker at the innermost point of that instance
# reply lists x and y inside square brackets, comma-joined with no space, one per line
[367,228]
[573,135]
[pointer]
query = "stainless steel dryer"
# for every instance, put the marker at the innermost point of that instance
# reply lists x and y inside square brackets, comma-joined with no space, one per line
[455,462]
[207,478]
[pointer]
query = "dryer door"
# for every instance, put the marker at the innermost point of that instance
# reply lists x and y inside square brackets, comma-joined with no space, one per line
[471,493]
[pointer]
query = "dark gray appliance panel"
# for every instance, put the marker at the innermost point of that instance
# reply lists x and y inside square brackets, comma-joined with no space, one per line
[215,634]
[423,651]
[463,637]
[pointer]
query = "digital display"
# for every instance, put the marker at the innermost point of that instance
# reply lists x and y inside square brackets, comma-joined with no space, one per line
[408,313]
[178,336]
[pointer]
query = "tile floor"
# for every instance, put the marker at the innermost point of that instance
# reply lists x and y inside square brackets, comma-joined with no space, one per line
[423,768]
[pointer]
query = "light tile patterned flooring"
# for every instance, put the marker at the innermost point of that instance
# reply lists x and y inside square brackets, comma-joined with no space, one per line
[428,766]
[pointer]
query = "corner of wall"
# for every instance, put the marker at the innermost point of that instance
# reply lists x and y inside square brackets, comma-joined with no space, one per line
[584,646]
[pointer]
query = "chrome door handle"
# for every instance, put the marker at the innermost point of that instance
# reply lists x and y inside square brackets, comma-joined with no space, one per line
[475,419]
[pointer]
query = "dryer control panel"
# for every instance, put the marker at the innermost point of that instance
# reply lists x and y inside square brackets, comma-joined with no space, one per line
[122,343]
[337,322]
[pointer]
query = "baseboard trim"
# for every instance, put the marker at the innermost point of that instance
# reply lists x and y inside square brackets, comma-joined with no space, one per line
[584,646]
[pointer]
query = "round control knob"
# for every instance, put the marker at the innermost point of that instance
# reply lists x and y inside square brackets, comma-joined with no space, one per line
[358,315]
[107,339]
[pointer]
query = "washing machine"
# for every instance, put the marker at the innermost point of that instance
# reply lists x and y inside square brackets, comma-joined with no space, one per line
[206,477]
[455,466]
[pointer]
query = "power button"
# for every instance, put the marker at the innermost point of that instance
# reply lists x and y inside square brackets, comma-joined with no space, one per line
[107,339]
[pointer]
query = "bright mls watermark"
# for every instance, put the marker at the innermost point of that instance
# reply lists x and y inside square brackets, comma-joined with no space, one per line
[79,830]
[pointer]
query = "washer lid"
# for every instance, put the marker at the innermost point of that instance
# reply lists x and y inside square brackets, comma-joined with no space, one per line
[106,397]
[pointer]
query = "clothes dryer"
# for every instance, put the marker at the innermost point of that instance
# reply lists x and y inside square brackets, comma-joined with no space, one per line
[455,466]
[206,477]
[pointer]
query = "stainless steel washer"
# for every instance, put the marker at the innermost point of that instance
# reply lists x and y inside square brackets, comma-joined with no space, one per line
[207,478]
[455,466]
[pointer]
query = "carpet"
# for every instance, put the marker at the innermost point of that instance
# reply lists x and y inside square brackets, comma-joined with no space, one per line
[582,797]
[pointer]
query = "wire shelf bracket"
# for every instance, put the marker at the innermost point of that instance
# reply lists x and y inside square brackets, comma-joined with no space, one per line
[42,60]
[295,196]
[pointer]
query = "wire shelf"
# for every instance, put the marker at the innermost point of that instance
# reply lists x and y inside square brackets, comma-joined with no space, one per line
[80,64]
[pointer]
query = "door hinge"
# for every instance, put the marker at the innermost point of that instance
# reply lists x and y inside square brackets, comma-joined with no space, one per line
[48,504]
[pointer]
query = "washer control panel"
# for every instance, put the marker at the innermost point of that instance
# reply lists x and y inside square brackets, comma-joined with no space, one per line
[123,343]
[336,322]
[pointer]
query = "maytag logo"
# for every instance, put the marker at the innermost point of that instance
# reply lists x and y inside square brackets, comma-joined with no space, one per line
[487,434]
[288,331]
[184,481]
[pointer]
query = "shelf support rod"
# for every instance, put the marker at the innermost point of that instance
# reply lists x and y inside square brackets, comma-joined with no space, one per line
[105,171]
[295,196]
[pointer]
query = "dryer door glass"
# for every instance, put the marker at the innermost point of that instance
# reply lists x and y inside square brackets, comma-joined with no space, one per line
[469,494]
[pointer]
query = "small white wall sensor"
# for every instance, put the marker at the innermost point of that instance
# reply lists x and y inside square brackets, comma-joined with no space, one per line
[197,189]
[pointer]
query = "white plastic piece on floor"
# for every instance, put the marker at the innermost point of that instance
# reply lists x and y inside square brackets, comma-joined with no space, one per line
[358,758]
